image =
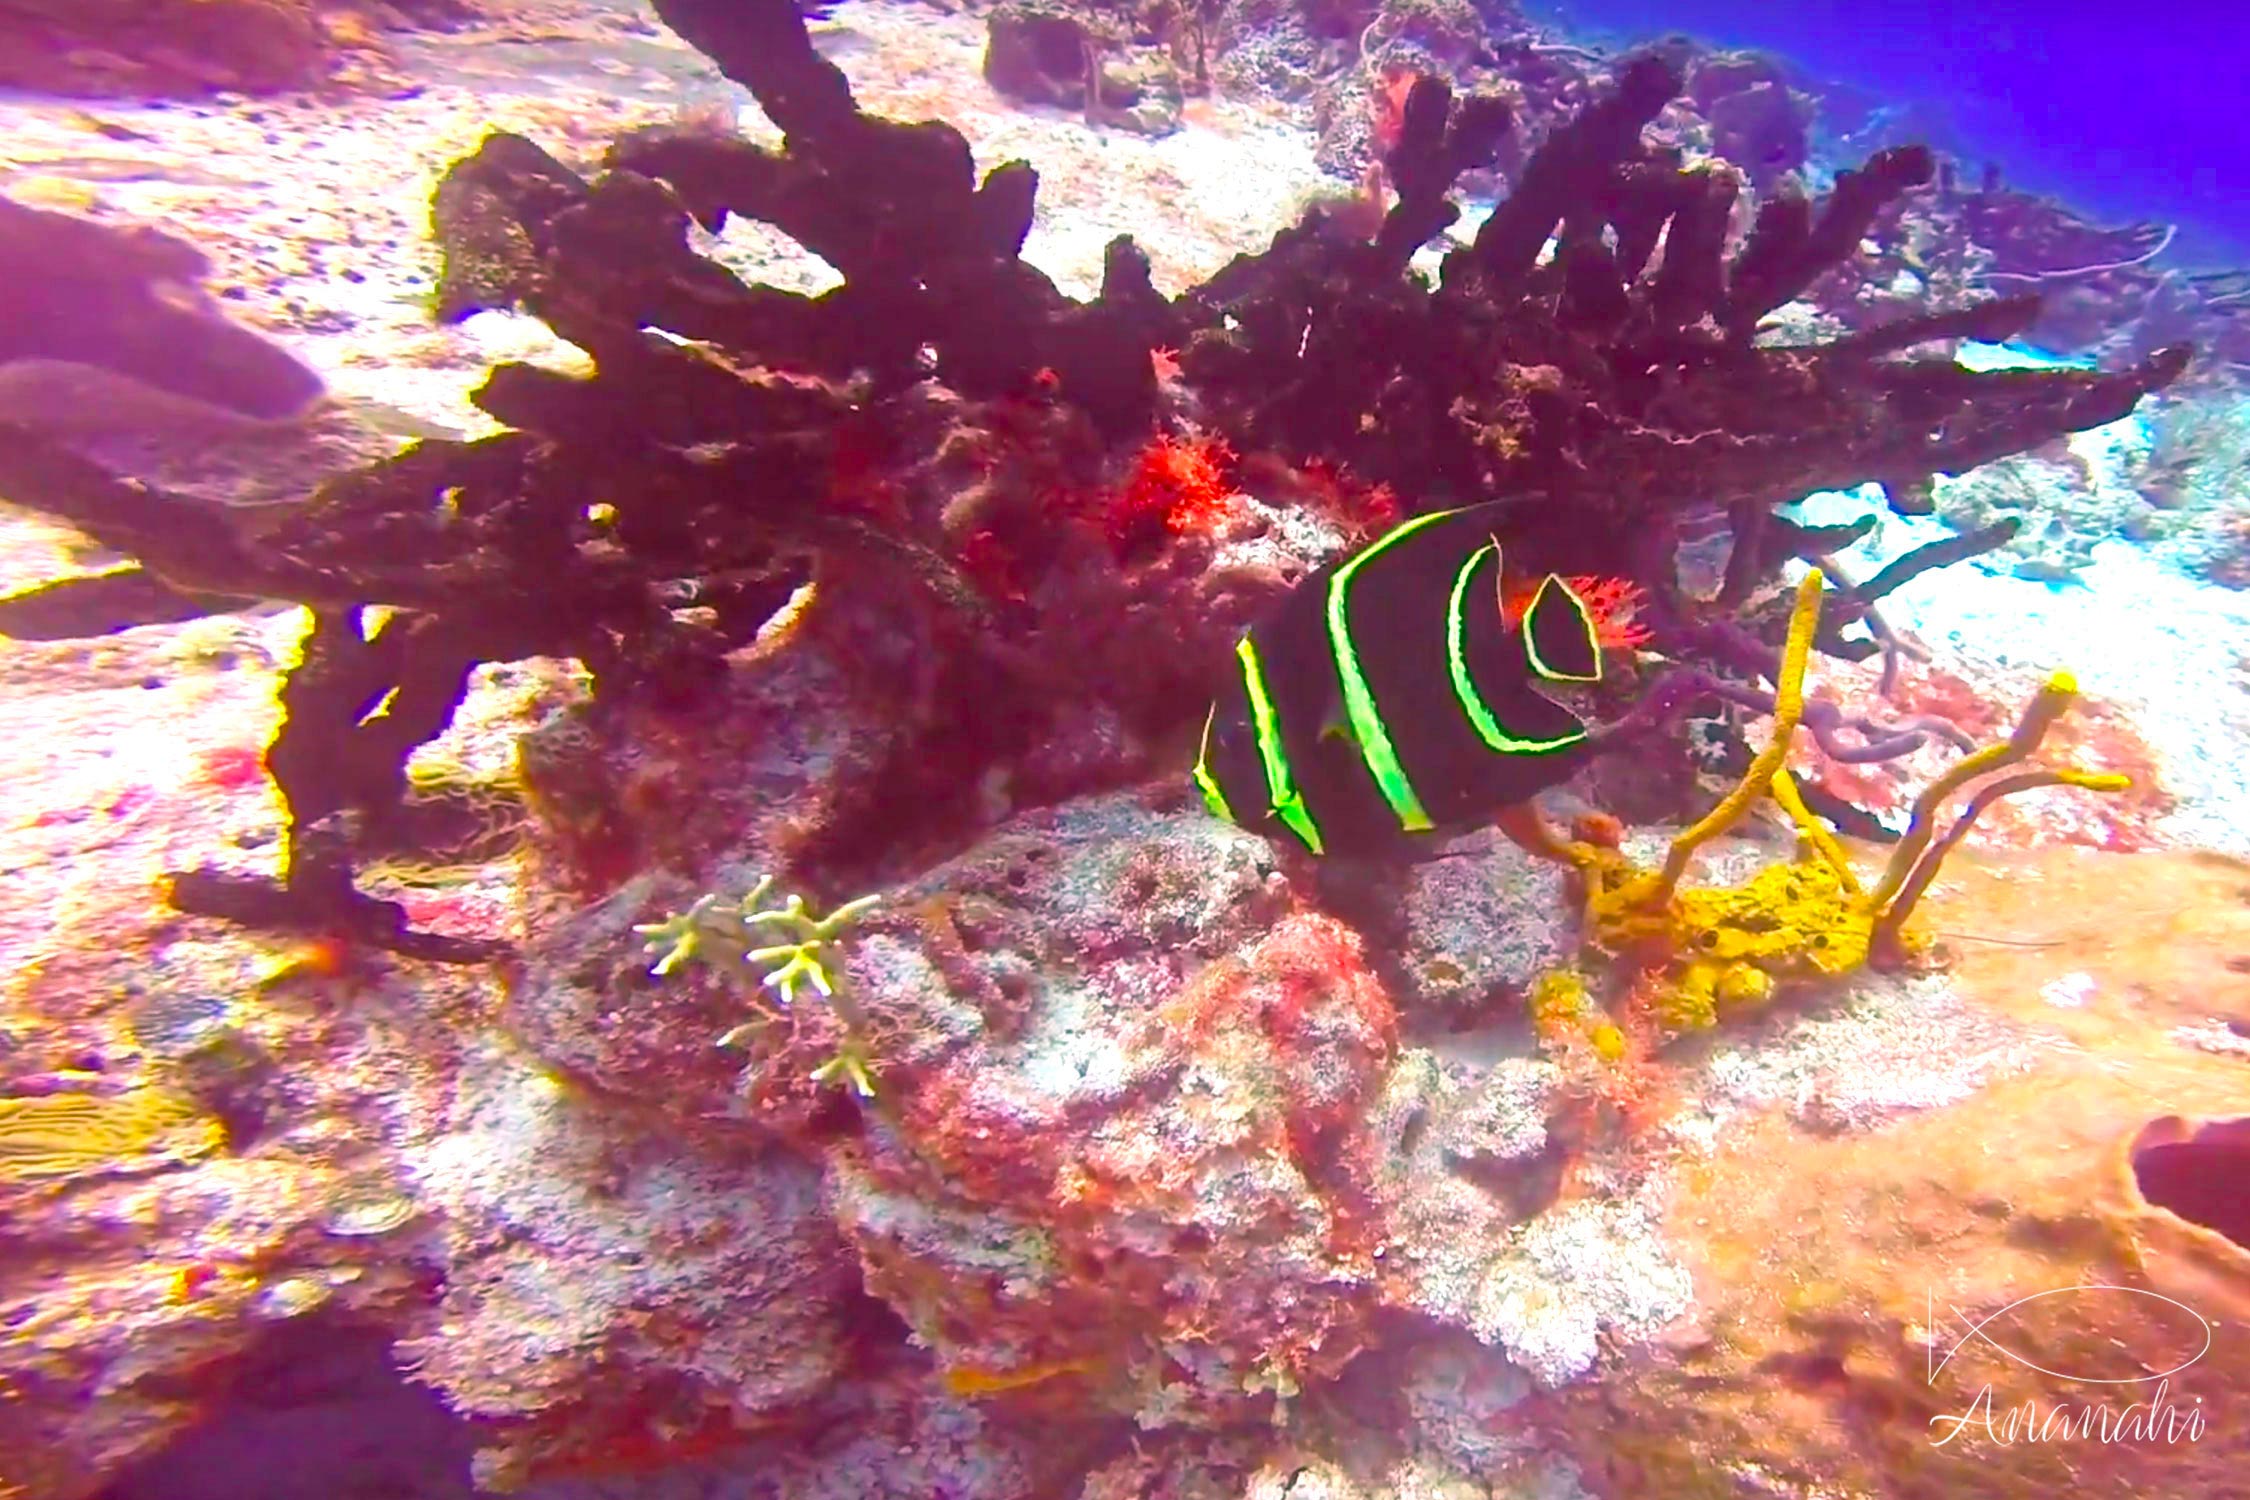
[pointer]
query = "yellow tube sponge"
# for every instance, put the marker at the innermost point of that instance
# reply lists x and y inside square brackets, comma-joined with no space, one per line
[1807,919]
[2039,716]
[1788,708]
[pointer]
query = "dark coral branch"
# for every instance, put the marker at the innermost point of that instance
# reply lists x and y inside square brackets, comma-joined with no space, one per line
[929,255]
[1810,543]
[319,898]
[1992,322]
[1576,157]
[1788,248]
[354,707]
[1689,285]
[1643,196]
[1438,141]
[1894,647]
[1747,560]
[1938,554]
[192,544]
[648,518]
[1852,739]
[101,603]
[1583,377]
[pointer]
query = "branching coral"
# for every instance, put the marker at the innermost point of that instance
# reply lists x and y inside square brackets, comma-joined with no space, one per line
[650,518]
[736,934]
[1725,949]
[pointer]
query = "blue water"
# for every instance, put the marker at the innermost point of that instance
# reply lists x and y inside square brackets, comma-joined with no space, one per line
[2127,112]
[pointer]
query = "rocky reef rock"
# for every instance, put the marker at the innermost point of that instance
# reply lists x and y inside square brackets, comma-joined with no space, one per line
[603,1279]
[1985,1295]
[76,292]
[135,47]
[786,739]
[1480,927]
[1127,1145]
[1043,53]
[203,1170]
[1155,1141]
[1182,1176]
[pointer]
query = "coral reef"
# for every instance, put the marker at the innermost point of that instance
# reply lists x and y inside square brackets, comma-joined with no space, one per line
[1144,1118]
[1102,1151]
[1067,997]
[2106,290]
[1625,396]
[604,1284]
[136,1291]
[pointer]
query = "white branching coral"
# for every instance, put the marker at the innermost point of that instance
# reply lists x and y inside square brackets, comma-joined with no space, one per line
[789,946]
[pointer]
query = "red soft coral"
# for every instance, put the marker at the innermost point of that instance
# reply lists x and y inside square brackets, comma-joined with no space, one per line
[1386,105]
[1178,486]
[1614,604]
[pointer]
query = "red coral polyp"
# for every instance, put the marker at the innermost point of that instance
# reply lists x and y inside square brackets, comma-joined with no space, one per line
[1178,486]
[1386,105]
[1614,604]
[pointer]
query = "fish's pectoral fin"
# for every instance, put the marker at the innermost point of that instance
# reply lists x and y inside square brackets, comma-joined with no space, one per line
[1527,830]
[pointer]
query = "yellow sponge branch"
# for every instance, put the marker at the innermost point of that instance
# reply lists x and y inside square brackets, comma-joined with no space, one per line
[2046,706]
[1803,921]
[1893,917]
[1814,831]
[1788,708]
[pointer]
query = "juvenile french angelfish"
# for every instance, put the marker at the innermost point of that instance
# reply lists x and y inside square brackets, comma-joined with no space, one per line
[1390,694]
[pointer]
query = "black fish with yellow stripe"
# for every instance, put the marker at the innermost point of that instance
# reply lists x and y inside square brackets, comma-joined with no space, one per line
[1392,694]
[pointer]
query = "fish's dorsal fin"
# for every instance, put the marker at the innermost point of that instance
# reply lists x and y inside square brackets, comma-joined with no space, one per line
[1561,637]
